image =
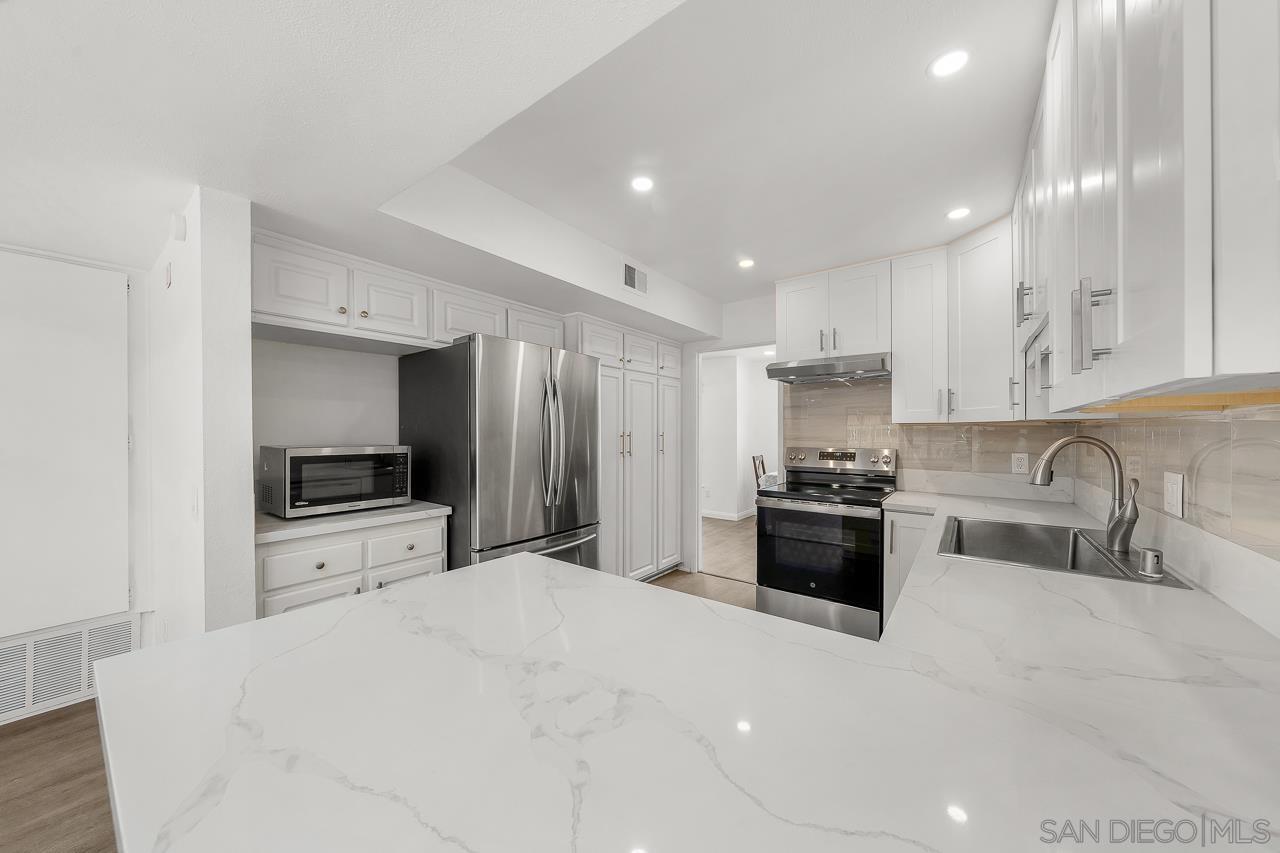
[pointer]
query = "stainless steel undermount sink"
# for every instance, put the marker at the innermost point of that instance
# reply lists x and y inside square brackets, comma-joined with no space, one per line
[1041,546]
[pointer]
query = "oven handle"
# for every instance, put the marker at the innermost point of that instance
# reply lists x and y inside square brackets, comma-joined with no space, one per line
[814,506]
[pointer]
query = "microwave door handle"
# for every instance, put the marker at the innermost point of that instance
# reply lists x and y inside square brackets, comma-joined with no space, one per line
[563,457]
[546,441]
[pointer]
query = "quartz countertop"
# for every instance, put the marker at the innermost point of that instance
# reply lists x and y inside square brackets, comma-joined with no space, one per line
[270,528]
[529,705]
[917,503]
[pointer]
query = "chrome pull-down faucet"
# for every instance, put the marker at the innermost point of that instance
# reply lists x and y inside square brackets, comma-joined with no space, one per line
[1124,514]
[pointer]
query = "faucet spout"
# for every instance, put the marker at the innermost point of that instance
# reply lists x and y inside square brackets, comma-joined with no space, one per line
[1122,518]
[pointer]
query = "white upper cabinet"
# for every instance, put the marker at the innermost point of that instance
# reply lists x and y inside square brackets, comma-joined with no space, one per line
[859,307]
[391,305]
[535,327]
[602,341]
[458,314]
[919,384]
[668,360]
[980,328]
[802,312]
[641,353]
[290,284]
[1057,123]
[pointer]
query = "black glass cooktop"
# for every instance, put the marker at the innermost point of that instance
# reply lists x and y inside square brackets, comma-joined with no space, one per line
[862,493]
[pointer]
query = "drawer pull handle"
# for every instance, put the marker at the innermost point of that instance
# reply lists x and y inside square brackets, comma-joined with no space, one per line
[379,584]
[320,565]
[409,547]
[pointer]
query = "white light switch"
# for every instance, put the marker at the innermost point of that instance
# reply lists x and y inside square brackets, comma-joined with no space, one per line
[1173,494]
[1021,463]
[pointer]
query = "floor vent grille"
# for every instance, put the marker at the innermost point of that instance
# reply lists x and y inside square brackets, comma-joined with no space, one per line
[13,678]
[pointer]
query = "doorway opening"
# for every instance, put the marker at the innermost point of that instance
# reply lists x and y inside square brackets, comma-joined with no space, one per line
[738,418]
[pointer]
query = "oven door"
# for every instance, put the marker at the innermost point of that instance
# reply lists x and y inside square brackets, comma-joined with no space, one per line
[827,551]
[334,482]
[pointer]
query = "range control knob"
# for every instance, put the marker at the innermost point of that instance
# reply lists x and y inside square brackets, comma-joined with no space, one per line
[875,459]
[791,456]
[801,457]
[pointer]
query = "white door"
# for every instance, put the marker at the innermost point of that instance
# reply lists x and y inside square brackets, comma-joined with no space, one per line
[391,305]
[641,391]
[980,331]
[859,304]
[603,342]
[668,472]
[612,459]
[305,596]
[535,327]
[919,385]
[668,360]
[905,533]
[63,443]
[290,284]
[641,353]
[802,313]
[456,315]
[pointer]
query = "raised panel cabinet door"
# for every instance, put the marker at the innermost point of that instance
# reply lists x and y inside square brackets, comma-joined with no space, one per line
[383,578]
[668,472]
[306,596]
[668,360]
[918,390]
[859,305]
[535,328]
[1059,140]
[603,342]
[980,328]
[802,314]
[457,315]
[640,549]
[641,353]
[391,305]
[612,460]
[294,285]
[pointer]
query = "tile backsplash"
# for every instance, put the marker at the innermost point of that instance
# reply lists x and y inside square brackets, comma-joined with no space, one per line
[1230,460]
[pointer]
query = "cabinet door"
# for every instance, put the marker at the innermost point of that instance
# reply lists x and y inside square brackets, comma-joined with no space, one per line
[456,315]
[802,311]
[1059,140]
[980,331]
[603,342]
[535,328]
[282,602]
[904,533]
[641,502]
[641,353]
[612,460]
[859,299]
[919,383]
[383,578]
[668,360]
[392,305]
[294,285]
[668,472]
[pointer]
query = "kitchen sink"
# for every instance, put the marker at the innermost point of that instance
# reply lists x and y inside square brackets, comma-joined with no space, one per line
[1040,546]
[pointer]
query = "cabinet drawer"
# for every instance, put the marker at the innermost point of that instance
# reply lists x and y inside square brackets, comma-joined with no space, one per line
[383,578]
[301,566]
[282,602]
[404,546]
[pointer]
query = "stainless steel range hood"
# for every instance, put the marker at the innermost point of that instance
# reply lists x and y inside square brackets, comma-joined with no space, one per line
[873,365]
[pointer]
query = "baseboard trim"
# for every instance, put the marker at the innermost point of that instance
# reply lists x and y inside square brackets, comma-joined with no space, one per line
[728,516]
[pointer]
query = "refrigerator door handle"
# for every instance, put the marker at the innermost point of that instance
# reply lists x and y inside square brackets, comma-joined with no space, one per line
[561,454]
[548,441]
[555,549]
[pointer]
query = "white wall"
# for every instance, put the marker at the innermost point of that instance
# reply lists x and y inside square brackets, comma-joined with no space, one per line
[757,426]
[310,396]
[718,441]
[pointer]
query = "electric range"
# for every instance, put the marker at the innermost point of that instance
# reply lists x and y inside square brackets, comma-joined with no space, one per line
[819,536]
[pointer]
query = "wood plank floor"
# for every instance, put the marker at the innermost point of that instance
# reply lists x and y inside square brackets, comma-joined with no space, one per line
[705,585]
[53,784]
[729,549]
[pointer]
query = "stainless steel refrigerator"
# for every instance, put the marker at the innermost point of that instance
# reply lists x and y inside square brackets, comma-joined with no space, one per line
[506,433]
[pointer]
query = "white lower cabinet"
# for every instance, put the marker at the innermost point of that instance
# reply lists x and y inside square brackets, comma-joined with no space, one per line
[640,475]
[613,448]
[308,570]
[668,472]
[904,534]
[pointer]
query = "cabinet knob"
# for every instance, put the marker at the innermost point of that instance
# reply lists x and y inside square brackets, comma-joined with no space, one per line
[364,313]
[319,565]
[628,361]
[379,584]
[409,547]
[342,309]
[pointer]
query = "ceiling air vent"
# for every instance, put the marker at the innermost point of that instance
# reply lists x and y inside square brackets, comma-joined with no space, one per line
[635,279]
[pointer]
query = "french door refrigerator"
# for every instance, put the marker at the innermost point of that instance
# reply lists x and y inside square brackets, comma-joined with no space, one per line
[505,432]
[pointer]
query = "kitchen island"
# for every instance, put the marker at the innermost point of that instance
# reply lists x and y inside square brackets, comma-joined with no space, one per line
[529,705]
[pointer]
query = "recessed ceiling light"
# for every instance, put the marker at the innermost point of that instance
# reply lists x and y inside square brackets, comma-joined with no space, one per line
[641,183]
[746,263]
[957,814]
[958,213]
[949,63]
[744,726]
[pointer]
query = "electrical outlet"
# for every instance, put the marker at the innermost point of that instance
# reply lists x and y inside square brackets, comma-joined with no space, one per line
[1133,466]
[1173,494]
[1021,463]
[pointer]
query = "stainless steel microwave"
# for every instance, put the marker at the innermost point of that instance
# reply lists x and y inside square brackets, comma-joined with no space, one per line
[299,481]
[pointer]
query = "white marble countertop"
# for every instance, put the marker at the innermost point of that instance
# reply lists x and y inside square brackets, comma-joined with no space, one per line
[270,528]
[529,705]
[917,503]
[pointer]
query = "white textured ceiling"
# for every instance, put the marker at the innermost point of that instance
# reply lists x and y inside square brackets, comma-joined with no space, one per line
[317,111]
[804,135]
